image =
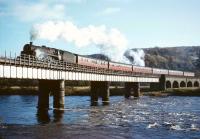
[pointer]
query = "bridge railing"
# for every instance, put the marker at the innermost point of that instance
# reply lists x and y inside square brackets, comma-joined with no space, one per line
[31,61]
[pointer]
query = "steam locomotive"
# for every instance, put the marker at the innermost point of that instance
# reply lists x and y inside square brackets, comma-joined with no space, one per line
[44,52]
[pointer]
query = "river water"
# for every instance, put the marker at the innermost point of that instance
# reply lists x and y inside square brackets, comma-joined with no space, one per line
[145,118]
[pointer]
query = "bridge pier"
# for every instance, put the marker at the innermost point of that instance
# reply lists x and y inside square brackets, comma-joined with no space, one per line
[58,89]
[162,82]
[136,89]
[161,86]
[105,92]
[59,94]
[43,97]
[99,89]
[94,93]
[154,86]
[132,88]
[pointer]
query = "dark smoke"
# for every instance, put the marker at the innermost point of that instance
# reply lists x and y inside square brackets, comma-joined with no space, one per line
[33,34]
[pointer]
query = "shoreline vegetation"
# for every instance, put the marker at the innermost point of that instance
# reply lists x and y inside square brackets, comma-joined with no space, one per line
[69,91]
[114,91]
[175,92]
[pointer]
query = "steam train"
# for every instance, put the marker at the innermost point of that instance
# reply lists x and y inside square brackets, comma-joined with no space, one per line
[56,54]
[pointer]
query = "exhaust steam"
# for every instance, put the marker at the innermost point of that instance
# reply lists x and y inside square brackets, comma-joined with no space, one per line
[111,42]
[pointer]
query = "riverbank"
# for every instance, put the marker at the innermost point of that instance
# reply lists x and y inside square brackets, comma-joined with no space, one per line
[69,91]
[114,91]
[175,92]
[183,92]
[18,90]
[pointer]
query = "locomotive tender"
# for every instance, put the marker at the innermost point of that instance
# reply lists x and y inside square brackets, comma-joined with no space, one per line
[44,52]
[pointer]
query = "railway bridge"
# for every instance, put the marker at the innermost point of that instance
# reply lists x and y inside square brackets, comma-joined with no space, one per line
[167,82]
[175,82]
[52,76]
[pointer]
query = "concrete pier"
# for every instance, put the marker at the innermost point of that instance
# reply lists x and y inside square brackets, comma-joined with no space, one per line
[128,89]
[136,89]
[105,92]
[154,86]
[59,94]
[43,116]
[99,89]
[43,97]
[58,115]
[132,88]
[162,82]
[94,93]
[57,87]
[160,86]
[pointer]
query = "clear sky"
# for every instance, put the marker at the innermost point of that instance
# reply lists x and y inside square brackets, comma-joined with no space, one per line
[144,23]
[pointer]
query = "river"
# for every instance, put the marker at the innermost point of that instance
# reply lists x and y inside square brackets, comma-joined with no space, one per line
[148,117]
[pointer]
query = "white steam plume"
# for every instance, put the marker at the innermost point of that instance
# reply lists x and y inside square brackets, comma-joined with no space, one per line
[40,54]
[137,56]
[111,42]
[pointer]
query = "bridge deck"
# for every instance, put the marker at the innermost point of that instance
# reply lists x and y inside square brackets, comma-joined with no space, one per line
[29,68]
[60,65]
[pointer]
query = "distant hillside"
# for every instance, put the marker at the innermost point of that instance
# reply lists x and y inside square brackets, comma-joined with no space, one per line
[99,56]
[176,58]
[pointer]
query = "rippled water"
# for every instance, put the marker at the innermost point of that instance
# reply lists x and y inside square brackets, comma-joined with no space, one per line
[147,117]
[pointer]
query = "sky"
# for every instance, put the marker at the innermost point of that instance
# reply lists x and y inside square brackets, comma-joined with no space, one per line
[121,23]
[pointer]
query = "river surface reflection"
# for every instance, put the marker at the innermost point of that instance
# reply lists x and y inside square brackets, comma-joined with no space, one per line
[147,117]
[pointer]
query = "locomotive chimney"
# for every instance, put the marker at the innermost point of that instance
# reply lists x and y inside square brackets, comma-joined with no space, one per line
[31,43]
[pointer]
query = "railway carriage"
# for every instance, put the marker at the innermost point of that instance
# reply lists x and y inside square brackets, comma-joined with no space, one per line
[82,60]
[160,71]
[175,73]
[189,74]
[145,70]
[120,67]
